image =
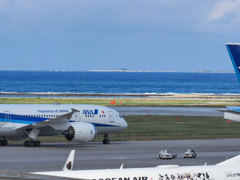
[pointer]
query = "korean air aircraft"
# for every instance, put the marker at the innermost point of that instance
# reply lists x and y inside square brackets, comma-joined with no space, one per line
[229,169]
[233,112]
[78,123]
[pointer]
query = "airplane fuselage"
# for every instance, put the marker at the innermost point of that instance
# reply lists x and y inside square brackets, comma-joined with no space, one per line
[173,172]
[13,117]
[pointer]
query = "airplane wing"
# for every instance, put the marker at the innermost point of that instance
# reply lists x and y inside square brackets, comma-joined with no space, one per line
[231,109]
[231,113]
[58,123]
[233,161]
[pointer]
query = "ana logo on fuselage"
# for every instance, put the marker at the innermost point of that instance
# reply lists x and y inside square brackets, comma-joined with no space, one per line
[94,112]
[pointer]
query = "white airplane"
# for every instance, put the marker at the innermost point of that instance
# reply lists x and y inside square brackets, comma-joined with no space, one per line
[79,123]
[229,169]
[233,112]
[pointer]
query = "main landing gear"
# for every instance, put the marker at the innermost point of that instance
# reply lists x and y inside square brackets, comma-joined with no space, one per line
[3,142]
[32,143]
[32,134]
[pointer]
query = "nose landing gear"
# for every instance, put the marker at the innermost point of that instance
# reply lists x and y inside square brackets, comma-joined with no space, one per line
[106,140]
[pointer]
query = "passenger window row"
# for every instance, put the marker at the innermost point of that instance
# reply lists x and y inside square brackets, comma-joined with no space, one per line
[19,116]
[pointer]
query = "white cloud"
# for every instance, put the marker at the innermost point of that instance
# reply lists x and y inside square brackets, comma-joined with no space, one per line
[222,8]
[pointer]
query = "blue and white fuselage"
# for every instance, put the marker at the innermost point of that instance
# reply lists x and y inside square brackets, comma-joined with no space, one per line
[79,123]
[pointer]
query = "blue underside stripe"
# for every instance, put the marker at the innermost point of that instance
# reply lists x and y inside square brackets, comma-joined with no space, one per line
[104,125]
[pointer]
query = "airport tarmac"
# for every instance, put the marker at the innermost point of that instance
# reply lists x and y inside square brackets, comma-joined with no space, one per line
[168,111]
[95,155]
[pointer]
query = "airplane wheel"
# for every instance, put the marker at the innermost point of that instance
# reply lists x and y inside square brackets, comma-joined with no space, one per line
[106,141]
[4,142]
[37,143]
[31,144]
[26,143]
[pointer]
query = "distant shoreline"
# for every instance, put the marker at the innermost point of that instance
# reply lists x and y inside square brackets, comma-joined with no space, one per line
[200,71]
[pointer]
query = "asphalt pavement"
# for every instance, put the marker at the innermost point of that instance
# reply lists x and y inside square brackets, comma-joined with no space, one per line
[169,111]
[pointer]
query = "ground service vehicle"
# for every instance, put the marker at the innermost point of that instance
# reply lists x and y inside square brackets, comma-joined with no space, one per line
[166,154]
[190,154]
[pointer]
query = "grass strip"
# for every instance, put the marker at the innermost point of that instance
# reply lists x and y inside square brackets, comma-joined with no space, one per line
[126,101]
[146,128]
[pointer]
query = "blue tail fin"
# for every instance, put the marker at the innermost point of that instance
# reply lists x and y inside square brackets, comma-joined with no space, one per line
[234,53]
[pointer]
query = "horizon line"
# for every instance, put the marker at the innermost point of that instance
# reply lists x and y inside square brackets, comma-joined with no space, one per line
[125,70]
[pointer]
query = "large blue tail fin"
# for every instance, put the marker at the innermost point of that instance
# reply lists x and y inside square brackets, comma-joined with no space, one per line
[234,53]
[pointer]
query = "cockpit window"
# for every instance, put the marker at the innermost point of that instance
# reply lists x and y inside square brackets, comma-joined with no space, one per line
[120,116]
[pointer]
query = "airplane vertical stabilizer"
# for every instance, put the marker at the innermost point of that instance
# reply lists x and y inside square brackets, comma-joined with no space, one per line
[69,163]
[234,53]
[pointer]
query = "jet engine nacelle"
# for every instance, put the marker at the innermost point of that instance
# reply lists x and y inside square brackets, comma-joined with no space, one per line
[80,132]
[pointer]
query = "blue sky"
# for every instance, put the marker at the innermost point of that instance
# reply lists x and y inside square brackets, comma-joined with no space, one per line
[153,35]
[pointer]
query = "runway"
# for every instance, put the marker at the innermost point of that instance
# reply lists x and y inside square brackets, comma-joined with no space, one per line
[168,111]
[52,156]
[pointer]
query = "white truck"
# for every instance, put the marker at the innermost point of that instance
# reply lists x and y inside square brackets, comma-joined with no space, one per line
[190,153]
[165,154]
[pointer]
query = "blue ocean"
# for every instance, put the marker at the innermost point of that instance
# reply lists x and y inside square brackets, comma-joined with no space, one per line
[118,82]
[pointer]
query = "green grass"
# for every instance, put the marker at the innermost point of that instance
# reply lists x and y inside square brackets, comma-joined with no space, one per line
[124,101]
[187,127]
[145,128]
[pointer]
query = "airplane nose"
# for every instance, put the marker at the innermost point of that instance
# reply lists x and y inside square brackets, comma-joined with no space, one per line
[124,124]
